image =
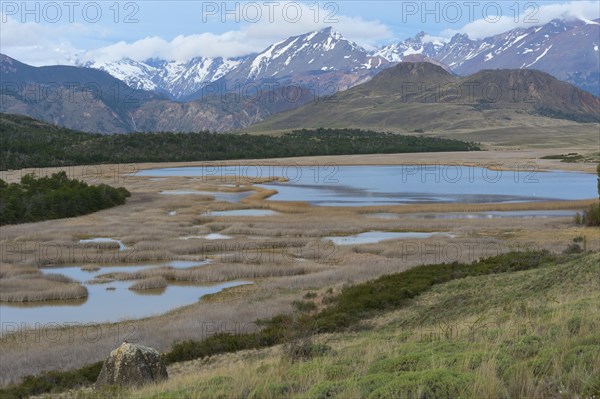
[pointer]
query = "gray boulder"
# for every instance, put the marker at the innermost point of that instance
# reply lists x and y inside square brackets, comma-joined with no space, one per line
[132,365]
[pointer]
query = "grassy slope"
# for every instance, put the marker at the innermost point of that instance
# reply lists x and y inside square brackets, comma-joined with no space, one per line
[530,334]
[386,103]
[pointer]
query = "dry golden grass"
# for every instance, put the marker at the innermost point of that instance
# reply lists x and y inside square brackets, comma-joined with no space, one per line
[42,288]
[8,270]
[22,283]
[218,272]
[150,283]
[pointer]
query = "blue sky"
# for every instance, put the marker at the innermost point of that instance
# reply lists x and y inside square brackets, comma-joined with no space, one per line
[42,33]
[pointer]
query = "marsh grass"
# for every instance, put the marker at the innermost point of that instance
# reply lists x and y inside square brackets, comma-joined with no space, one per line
[216,273]
[40,288]
[151,283]
[28,284]
[9,270]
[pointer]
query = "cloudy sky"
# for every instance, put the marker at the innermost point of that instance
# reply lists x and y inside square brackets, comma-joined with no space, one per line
[65,32]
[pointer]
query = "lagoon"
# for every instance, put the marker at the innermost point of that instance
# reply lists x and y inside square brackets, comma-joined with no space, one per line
[104,305]
[372,237]
[333,185]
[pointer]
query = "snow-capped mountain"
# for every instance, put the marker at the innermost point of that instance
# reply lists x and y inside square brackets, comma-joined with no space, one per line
[326,55]
[523,48]
[418,45]
[324,50]
[176,79]
[567,50]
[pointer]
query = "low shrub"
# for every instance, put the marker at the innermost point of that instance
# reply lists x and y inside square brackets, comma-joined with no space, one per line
[273,333]
[392,291]
[310,295]
[304,306]
[430,384]
[52,381]
[573,248]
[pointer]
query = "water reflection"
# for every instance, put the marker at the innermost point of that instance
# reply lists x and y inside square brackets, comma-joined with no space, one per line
[111,301]
[372,237]
[479,215]
[243,212]
[332,185]
[217,195]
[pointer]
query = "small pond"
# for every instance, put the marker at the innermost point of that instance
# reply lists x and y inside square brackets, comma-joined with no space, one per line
[111,305]
[372,237]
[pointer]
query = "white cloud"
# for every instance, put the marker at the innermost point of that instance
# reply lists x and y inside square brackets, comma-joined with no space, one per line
[434,39]
[40,44]
[251,37]
[45,44]
[531,17]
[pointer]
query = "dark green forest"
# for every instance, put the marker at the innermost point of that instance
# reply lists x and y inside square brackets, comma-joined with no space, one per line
[27,143]
[44,198]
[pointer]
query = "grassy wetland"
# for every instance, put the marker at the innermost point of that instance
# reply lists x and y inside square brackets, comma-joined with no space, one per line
[28,284]
[543,338]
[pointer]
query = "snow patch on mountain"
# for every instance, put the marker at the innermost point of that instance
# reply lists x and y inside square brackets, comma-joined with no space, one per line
[540,57]
[306,57]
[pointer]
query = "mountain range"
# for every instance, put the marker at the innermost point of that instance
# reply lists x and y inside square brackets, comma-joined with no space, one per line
[323,79]
[92,101]
[328,62]
[323,60]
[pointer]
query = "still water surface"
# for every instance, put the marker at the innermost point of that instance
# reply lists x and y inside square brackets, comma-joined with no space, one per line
[104,305]
[332,185]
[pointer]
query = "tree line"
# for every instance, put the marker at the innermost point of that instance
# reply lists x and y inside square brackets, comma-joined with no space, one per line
[35,199]
[27,143]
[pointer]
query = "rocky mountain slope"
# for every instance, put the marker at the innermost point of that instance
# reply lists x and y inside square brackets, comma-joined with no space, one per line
[324,61]
[91,100]
[327,62]
[568,50]
[423,96]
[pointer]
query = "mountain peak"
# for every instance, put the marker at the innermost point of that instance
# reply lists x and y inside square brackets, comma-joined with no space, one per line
[397,78]
[420,69]
[459,37]
[327,32]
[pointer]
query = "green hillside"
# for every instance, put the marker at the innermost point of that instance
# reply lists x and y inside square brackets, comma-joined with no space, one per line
[523,334]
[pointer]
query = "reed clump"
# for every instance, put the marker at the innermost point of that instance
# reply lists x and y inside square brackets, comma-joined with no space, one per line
[151,283]
[40,288]
[217,273]
[8,270]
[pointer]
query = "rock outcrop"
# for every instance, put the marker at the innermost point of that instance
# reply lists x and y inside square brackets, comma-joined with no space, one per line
[132,365]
